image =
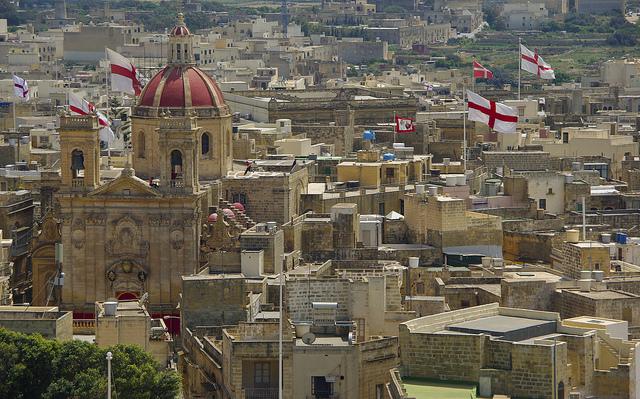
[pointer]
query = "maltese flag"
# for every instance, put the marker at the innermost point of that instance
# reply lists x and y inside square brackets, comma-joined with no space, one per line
[497,116]
[82,107]
[20,88]
[533,63]
[124,76]
[481,72]
[404,125]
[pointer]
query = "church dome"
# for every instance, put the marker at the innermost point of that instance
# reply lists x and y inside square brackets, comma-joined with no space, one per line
[183,86]
[180,84]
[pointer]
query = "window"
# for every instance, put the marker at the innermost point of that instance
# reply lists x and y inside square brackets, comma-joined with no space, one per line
[205,144]
[321,388]
[77,164]
[141,145]
[176,164]
[542,203]
[239,197]
[390,172]
[261,374]
[550,191]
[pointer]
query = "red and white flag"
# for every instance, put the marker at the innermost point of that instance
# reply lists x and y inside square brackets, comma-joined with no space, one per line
[20,88]
[404,125]
[481,72]
[82,107]
[533,63]
[124,76]
[497,116]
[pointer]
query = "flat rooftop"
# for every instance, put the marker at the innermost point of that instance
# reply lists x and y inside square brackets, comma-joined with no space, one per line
[421,389]
[506,327]
[605,294]
[324,341]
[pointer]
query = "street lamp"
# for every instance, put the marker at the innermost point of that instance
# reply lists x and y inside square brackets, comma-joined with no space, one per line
[109,357]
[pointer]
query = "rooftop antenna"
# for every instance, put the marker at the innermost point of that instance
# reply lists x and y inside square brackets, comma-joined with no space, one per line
[285,18]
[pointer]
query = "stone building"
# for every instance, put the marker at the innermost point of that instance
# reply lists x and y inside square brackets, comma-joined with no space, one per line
[47,321]
[129,323]
[519,353]
[131,236]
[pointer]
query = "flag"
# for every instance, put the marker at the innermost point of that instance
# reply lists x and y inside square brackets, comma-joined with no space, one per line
[124,76]
[533,63]
[82,107]
[497,116]
[481,72]
[404,125]
[20,88]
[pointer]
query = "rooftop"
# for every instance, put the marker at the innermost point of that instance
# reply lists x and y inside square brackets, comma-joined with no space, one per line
[507,327]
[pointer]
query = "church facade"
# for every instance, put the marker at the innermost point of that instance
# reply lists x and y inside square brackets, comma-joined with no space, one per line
[140,232]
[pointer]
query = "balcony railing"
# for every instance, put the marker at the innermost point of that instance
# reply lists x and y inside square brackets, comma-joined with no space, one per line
[77,182]
[260,393]
[177,183]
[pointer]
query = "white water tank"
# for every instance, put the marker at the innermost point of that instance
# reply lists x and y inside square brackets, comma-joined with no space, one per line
[451,180]
[568,179]
[497,262]
[110,308]
[573,235]
[446,161]
[585,284]
[419,188]
[486,262]
[462,180]
[272,226]
[414,262]
[585,274]
[432,190]
[598,275]
[605,238]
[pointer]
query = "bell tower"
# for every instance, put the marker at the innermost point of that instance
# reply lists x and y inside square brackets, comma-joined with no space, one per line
[79,153]
[180,44]
[178,144]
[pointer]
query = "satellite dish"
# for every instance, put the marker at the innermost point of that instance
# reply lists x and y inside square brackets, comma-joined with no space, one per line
[308,338]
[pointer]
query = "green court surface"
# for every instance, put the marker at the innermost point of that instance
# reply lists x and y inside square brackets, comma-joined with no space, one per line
[428,389]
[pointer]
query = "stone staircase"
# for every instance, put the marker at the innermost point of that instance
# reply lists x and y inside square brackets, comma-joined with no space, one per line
[242,221]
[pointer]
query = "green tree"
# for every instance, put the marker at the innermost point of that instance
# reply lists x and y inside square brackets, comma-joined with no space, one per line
[33,367]
[8,11]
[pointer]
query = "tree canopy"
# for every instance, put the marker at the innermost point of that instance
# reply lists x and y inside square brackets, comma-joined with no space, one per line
[34,367]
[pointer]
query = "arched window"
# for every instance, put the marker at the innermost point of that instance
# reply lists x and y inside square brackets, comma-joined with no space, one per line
[141,145]
[205,144]
[176,164]
[77,163]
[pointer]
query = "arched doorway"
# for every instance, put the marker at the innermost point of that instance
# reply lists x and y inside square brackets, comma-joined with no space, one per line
[127,296]
[77,163]
[176,165]
[561,390]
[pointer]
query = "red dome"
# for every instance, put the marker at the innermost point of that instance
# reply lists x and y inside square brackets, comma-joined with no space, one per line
[228,213]
[169,88]
[238,206]
[180,31]
[212,218]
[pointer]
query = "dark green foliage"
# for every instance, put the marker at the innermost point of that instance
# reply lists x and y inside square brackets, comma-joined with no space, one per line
[34,367]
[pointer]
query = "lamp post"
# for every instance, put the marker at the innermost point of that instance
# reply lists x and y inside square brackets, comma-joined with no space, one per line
[109,357]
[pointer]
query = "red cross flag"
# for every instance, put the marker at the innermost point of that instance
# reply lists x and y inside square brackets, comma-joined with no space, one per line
[124,76]
[80,106]
[20,88]
[481,72]
[499,117]
[532,62]
[404,125]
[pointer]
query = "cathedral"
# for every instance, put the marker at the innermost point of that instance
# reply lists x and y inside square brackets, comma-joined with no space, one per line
[140,232]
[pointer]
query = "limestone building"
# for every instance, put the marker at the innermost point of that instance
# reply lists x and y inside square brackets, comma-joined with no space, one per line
[131,236]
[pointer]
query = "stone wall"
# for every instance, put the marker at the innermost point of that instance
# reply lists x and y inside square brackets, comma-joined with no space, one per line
[528,294]
[340,136]
[517,160]
[213,301]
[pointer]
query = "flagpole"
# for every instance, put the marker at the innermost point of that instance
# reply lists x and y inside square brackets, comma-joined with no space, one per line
[464,130]
[395,127]
[107,83]
[15,125]
[519,64]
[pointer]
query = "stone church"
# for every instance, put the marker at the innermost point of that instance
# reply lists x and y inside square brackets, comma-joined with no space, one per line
[140,232]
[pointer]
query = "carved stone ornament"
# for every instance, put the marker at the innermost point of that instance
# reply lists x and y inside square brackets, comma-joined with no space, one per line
[126,240]
[177,239]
